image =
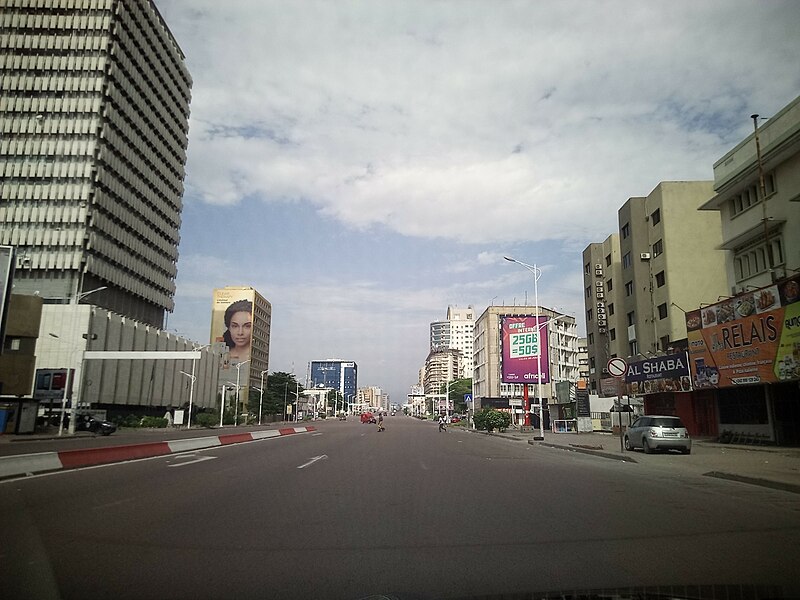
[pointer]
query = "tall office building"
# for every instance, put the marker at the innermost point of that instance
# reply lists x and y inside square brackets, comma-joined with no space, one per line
[339,375]
[94,114]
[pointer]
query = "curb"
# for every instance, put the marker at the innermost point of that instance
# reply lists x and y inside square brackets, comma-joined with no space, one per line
[619,457]
[31,464]
[768,483]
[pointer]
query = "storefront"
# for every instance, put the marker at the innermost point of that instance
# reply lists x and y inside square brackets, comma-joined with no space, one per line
[746,352]
[665,384]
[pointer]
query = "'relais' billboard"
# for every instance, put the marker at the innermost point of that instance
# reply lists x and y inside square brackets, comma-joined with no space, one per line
[752,338]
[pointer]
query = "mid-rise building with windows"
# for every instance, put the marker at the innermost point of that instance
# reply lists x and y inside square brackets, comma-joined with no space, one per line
[639,282]
[757,198]
[441,367]
[561,347]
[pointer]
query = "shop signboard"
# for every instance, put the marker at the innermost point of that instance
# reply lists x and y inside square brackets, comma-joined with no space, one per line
[752,338]
[668,373]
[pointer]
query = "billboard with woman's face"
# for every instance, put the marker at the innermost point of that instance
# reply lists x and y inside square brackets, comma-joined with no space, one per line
[232,321]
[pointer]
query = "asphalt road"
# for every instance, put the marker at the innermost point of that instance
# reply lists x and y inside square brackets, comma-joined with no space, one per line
[347,511]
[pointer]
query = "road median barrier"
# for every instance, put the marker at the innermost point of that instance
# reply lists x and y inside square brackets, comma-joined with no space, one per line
[31,464]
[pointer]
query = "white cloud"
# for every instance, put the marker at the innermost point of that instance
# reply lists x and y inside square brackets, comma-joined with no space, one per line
[494,123]
[536,118]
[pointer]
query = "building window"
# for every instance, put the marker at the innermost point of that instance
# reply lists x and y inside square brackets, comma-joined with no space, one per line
[752,261]
[590,339]
[626,260]
[631,318]
[610,284]
[589,291]
[769,184]
[660,279]
[629,288]
[589,314]
[633,348]
[608,260]
[587,269]
[655,218]
[750,197]
[664,343]
[591,363]
[611,309]
[658,248]
[626,231]
[612,333]
[662,311]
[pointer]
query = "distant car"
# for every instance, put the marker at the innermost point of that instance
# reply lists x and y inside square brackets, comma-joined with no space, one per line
[368,417]
[455,419]
[658,432]
[94,425]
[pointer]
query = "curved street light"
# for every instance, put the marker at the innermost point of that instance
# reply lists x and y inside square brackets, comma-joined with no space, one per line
[537,272]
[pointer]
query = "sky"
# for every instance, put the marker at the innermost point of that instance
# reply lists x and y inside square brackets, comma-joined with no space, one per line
[366,164]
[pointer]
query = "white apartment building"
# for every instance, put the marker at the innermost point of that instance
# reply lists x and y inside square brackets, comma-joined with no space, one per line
[456,332]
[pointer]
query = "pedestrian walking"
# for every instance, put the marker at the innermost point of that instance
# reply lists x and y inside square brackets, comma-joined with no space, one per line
[380,423]
[442,423]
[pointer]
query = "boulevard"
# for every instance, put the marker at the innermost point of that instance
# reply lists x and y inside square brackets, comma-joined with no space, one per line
[347,511]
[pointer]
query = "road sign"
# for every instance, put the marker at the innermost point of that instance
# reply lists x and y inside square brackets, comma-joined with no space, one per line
[467,398]
[617,367]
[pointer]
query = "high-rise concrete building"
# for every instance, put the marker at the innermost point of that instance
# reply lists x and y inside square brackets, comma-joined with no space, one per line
[456,332]
[94,111]
[639,281]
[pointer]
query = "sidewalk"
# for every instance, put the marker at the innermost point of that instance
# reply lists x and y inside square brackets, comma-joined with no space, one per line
[768,466]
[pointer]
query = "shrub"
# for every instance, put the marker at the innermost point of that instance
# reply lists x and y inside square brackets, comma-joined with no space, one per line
[490,419]
[206,420]
[127,420]
[156,422]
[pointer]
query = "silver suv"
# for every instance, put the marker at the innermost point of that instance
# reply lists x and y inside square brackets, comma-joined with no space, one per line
[658,432]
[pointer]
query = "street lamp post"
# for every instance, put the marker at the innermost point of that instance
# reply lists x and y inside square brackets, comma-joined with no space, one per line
[191,389]
[222,402]
[261,398]
[238,371]
[74,411]
[536,274]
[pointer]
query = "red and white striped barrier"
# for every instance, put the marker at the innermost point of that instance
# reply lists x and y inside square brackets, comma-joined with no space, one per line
[30,464]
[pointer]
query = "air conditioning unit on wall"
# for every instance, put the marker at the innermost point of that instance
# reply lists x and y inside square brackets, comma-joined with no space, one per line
[645,256]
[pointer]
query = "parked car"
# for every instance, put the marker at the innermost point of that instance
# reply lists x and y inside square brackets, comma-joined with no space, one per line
[658,432]
[95,425]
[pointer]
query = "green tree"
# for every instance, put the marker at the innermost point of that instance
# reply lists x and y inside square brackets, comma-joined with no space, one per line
[458,387]
[278,387]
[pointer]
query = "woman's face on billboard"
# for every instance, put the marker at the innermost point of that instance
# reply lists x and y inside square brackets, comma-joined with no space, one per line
[241,328]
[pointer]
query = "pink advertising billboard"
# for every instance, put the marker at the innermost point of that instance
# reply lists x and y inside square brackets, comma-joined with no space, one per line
[523,340]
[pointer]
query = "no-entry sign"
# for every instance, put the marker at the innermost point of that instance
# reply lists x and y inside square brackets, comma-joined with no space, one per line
[617,367]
